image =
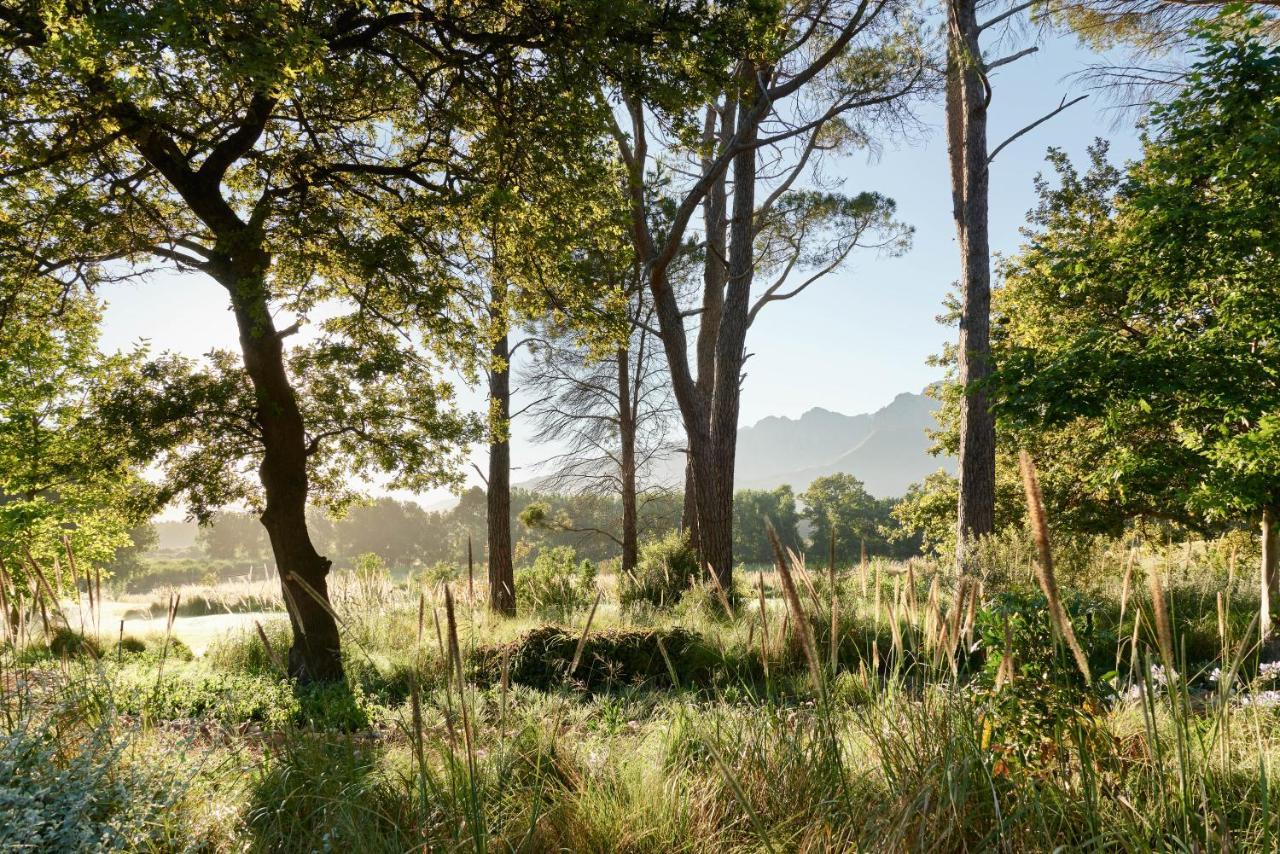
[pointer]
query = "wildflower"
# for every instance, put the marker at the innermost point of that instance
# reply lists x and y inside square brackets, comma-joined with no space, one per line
[1261,699]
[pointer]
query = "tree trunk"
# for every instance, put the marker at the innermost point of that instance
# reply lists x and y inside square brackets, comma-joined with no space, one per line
[627,434]
[502,582]
[967,147]
[716,473]
[1270,560]
[315,653]
[718,131]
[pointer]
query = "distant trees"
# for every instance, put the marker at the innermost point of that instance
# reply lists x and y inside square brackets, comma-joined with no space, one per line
[753,509]
[840,503]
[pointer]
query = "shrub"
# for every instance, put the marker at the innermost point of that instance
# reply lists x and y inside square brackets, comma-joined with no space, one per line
[612,658]
[556,585]
[665,569]
[64,793]
[67,643]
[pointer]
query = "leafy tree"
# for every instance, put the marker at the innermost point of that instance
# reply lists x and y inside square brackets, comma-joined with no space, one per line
[840,503]
[234,536]
[751,507]
[776,87]
[1138,327]
[66,479]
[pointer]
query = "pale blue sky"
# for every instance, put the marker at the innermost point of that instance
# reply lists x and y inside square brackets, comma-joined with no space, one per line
[851,342]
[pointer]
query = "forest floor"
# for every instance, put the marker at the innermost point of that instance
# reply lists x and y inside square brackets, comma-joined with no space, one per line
[695,728]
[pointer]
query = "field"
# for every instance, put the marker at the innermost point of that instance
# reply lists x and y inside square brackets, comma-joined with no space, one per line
[716,725]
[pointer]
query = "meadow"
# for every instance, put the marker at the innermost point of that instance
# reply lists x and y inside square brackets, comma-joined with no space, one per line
[812,709]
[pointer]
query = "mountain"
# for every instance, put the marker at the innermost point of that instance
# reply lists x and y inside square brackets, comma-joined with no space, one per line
[888,450]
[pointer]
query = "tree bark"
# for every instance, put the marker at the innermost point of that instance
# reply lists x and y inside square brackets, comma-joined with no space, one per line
[627,436]
[716,474]
[502,583]
[967,98]
[316,651]
[1270,561]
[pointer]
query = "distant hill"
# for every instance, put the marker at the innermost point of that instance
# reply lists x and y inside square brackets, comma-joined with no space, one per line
[888,450]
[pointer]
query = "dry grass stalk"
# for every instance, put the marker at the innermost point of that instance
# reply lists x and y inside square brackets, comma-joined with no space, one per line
[1044,569]
[1126,586]
[262,635]
[792,598]
[586,629]
[1004,675]
[1222,622]
[764,628]
[1133,643]
[471,572]
[720,592]
[455,656]
[835,605]
[1160,608]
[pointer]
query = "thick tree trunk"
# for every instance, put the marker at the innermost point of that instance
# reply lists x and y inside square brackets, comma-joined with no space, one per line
[718,131]
[1270,561]
[315,653]
[716,471]
[967,144]
[627,435]
[689,508]
[502,582]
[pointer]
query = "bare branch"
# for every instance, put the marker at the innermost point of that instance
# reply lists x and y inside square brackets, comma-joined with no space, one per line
[1062,106]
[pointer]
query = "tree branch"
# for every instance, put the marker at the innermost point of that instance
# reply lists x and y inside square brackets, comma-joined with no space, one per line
[1062,106]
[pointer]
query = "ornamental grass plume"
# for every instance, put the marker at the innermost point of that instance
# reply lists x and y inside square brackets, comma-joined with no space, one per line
[1044,567]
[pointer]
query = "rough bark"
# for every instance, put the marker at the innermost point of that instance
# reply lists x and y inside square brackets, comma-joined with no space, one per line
[502,584]
[967,99]
[315,653]
[716,475]
[627,437]
[1270,561]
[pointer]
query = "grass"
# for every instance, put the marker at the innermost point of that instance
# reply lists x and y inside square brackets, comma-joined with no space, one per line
[921,728]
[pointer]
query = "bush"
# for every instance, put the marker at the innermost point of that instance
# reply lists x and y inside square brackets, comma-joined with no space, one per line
[67,643]
[617,657]
[666,568]
[556,585]
[61,793]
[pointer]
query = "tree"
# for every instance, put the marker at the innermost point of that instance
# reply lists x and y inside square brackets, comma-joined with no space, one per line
[234,536]
[968,97]
[612,411]
[824,75]
[1139,318]
[66,480]
[308,162]
[751,509]
[839,503]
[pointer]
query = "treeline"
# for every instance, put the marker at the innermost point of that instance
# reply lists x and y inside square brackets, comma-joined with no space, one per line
[406,536]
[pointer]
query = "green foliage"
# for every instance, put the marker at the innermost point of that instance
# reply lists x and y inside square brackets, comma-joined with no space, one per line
[63,473]
[75,794]
[557,584]
[841,503]
[1136,328]
[611,659]
[751,507]
[66,643]
[665,568]
[1033,696]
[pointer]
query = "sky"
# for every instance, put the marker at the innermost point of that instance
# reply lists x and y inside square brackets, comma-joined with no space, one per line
[851,342]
